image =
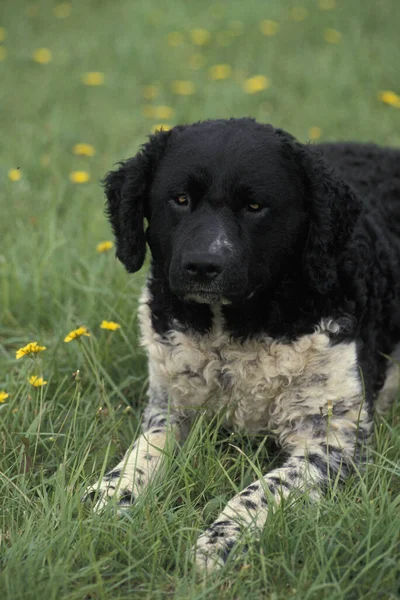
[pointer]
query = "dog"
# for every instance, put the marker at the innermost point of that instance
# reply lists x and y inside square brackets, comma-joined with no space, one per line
[272,300]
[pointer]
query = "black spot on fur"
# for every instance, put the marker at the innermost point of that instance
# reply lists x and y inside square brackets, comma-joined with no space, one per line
[226,550]
[112,475]
[249,504]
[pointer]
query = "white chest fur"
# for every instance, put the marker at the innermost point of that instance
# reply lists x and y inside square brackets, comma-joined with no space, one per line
[261,384]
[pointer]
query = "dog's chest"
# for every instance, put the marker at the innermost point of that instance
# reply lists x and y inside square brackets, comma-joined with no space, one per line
[254,383]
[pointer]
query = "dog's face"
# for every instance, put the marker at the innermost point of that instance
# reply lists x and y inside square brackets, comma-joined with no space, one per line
[229,208]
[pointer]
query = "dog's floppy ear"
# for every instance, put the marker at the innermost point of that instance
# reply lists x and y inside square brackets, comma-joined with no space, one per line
[127,191]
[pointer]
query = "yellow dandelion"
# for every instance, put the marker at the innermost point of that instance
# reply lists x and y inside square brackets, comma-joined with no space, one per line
[268,27]
[197,61]
[163,112]
[175,38]
[42,56]
[224,38]
[150,92]
[110,325]
[299,13]
[183,88]
[326,4]
[62,10]
[31,348]
[217,72]
[389,97]
[36,381]
[79,176]
[255,84]
[160,127]
[104,246]
[3,53]
[84,149]
[77,333]
[3,396]
[14,175]
[332,36]
[314,133]
[3,34]
[200,37]
[93,78]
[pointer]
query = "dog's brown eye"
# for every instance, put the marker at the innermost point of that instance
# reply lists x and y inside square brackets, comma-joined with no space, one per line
[254,206]
[182,200]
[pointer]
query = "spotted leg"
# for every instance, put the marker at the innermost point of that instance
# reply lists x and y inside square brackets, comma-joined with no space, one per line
[320,449]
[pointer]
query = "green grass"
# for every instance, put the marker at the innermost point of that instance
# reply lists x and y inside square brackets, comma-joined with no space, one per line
[55,439]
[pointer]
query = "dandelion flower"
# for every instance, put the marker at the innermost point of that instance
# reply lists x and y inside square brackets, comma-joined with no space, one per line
[104,246]
[217,72]
[326,4]
[183,88]
[36,381]
[150,92]
[79,176]
[160,127]
[62,10]
[110,325]
[332,36]
[255,84]
[163,112]
[299,13]
[314,133]
[31,348]
[389,97]
[268,27]
[77,333]
[42,56]
[175,38]
[14,174]
[3,53]
[84,150]
[3,396]
[93,78]
[200,37]
[3,34]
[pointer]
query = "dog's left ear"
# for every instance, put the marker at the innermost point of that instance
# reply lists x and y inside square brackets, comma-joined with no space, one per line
[333,209]
[127,191]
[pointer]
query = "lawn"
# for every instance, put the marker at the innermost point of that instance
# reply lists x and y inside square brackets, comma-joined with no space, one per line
[103,74]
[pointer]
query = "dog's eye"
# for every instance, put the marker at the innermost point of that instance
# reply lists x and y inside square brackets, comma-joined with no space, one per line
[182,200]
[254,207]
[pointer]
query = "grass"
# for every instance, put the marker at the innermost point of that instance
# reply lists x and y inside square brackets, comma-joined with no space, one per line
[57,438]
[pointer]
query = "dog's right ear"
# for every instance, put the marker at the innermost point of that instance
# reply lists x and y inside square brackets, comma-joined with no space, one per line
[127,191]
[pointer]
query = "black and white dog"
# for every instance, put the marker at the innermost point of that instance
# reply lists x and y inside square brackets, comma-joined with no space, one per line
[273,299]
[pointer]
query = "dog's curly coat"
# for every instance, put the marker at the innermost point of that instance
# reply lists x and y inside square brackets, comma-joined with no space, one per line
[273,299]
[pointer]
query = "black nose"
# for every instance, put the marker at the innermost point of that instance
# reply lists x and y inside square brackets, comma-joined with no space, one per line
[202,265]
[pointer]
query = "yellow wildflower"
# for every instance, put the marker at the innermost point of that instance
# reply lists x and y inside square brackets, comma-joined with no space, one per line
[150,92]
[220,72]
[84,150]
[183,88]
[163,112]
[79,176]
[268,27]
[104,246]
[160,127]
[110,325]
[3,53]
[14,174]
[62,10]
[197,61]
[314,133]
[326,4]
[332,36]
[389,97]
[255,84]
[77,333]
[3,34]
[42,56]
[36,381]
[175,38]
[93,78]
[200,37]
[3,396]
[31,348]
[298,13]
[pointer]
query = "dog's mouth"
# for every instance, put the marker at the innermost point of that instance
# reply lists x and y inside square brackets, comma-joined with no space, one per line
[205,297]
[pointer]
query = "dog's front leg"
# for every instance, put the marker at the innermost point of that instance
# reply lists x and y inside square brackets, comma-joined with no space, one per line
[319,450]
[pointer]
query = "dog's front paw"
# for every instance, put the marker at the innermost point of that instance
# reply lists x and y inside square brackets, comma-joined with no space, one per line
[215,545]
[115,484]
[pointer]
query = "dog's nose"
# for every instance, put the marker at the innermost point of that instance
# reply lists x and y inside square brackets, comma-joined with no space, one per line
[202,265]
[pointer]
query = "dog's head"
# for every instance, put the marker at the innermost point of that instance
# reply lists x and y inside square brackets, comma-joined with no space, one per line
[231,207]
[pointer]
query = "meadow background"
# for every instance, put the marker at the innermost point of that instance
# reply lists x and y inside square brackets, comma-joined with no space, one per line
[104,74]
